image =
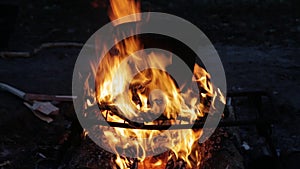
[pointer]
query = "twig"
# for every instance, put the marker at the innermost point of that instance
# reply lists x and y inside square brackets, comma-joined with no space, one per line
[14,54]
[5,163]
[9,54]
[57,45]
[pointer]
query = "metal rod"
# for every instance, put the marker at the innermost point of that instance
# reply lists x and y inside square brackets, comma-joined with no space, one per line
[43,97]
[12,90]
[196,125]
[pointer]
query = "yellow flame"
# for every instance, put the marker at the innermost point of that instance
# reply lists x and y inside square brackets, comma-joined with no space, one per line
[150,91]
[124,8]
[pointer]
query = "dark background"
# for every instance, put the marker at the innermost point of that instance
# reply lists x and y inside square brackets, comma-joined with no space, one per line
[258,42]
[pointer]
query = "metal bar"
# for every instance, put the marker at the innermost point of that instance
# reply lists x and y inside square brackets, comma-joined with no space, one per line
[12,90]
[196,125]
[43,97]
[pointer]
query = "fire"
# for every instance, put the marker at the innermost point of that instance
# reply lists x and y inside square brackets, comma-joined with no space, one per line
[123,8]
[145,96]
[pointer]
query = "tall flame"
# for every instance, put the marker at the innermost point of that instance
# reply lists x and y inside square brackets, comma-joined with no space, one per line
[149,93]
[123,8]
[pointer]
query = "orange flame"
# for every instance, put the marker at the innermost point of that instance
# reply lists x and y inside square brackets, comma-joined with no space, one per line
[124,8]
[150,91]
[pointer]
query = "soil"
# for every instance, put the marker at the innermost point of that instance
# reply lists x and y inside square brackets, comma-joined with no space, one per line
[258,43]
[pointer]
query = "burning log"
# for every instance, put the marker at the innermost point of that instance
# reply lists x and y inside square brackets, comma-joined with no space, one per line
[115,111]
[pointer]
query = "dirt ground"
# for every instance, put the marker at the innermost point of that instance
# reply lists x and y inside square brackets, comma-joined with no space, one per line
[258,44]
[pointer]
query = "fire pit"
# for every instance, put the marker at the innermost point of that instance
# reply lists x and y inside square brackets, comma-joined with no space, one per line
[223,149]
[138,109]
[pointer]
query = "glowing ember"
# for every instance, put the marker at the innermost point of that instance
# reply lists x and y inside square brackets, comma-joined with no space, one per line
[146,96]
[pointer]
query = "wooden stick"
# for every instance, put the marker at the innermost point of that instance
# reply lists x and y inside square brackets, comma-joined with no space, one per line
[14,54]
[9,54]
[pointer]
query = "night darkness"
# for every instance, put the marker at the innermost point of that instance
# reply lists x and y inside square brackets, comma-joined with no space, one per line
[258,44]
